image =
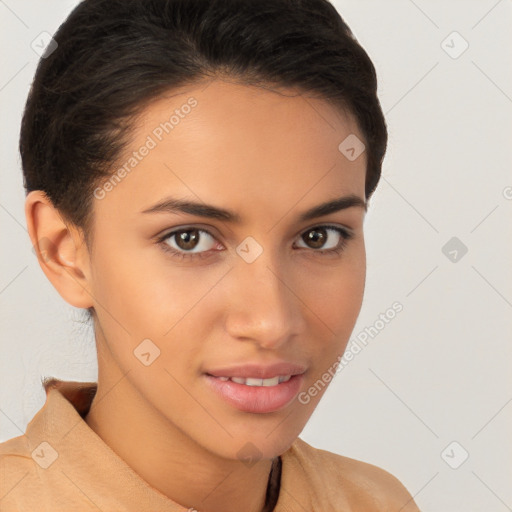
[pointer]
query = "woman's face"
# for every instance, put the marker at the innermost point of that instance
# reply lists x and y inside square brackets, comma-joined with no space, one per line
[265,287]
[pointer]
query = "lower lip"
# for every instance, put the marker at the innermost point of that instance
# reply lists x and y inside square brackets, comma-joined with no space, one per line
[257,399]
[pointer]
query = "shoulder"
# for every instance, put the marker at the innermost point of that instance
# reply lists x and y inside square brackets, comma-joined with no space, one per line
[15,451]
[361,484]
[16,471]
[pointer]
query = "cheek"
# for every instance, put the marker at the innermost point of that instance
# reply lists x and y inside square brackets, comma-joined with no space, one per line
[336,303]
[333,298]
[334,291]
[147,294]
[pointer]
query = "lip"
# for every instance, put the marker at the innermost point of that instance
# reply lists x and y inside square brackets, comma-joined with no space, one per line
[256,399]
[259,371]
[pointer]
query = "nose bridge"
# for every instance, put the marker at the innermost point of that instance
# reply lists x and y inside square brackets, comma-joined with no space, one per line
[264,307]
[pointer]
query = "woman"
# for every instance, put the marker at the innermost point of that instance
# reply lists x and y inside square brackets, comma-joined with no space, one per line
[197,177]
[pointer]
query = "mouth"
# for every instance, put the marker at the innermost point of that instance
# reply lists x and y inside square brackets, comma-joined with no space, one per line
[256,395]
[253,381]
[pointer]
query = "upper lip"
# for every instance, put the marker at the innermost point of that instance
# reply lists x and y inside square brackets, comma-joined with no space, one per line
[259,371]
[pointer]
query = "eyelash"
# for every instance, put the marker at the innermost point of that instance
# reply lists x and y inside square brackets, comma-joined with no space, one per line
[345,237]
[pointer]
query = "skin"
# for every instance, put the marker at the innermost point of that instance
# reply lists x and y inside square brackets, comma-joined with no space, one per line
[268,157]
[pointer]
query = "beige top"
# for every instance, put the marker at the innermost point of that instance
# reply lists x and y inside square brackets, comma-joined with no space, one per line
[61,464]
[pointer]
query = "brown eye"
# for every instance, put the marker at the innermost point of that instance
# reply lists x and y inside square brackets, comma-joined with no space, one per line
[316,238]
[187,240]
[325,238]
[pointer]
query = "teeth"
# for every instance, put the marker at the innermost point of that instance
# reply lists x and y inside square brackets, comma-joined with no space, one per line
[238,380]
[274,381]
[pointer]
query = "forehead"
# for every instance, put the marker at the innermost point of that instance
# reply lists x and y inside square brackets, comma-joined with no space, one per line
[250,145]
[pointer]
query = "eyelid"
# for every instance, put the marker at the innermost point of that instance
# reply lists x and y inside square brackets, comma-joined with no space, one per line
[210,230]
[326,225]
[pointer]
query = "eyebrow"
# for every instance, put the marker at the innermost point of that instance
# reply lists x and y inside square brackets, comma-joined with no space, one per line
[174,205]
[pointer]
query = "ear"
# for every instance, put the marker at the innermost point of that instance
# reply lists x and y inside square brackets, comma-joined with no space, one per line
[60,249]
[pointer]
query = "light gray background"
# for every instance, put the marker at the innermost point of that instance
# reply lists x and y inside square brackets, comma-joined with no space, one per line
[440,370]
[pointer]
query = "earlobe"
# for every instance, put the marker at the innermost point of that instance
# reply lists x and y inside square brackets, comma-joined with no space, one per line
[60,249]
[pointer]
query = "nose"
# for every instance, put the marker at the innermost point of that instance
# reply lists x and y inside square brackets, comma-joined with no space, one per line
[263,307]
